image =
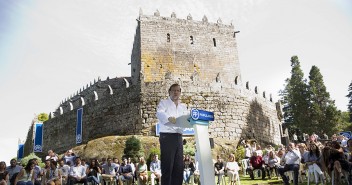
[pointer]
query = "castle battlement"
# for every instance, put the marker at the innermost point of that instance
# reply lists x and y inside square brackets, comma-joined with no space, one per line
[88,94]
[187,21]
[200,56]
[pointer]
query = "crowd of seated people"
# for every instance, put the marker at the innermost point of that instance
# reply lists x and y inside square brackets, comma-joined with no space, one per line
[321,160]
[310,156]
[71,169]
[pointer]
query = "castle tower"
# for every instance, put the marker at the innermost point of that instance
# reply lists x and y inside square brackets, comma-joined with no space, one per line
[200,56]
[185,49]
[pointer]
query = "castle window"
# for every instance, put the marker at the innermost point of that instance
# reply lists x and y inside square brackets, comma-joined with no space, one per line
[168,37]
[191,39]
[214,42]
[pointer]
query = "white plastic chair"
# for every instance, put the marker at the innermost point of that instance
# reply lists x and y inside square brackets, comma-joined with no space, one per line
[244,165]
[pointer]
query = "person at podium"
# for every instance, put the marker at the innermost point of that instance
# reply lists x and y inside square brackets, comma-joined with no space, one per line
[171,143]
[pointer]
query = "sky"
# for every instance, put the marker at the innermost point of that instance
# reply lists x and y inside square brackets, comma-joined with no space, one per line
[50,49]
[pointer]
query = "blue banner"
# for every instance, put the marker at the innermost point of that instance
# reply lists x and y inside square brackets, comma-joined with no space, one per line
[186,131]
[79,126]
[20,153]
[38,137]
[347,134]
[202,115]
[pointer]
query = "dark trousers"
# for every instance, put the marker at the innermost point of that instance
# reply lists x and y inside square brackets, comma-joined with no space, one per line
[250,171]
[171,152]
[289,167]
[269,171]
[73,181]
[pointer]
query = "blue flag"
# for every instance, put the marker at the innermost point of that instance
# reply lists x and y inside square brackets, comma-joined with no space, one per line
[38,137]
[20,153]
[79,126]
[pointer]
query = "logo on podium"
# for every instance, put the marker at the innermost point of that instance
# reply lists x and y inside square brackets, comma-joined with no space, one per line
[201,117]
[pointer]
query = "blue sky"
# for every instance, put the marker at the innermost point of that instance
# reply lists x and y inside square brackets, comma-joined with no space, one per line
[50,49]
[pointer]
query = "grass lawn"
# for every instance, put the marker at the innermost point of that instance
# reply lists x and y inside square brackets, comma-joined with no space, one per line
[246,180]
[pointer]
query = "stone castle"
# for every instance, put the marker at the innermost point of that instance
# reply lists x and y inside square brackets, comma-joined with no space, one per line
[201,56]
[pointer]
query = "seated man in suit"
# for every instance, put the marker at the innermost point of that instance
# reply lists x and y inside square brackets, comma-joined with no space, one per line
[256,162]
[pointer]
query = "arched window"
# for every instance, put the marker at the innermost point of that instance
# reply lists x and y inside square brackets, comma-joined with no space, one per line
[168,37]
[110,90]
[191,39]
[214,42]
[82,101]
[71,105]
[95,96]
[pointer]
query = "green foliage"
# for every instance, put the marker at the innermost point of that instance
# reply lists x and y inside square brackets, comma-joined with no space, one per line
[344,124]
[349,106]
[25,160]
[307,106]
[240,153]
[294,98]
[43,117]
[323,114]
[189,148]
[133,148]
[153,151]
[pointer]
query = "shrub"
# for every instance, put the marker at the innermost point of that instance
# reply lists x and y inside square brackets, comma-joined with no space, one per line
[189,149]
[133,148]
[239,153]
[153,151]
[25,160]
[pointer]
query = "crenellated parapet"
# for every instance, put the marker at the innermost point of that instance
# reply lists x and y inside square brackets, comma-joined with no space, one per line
[99,89]
[201,56]
[185,48]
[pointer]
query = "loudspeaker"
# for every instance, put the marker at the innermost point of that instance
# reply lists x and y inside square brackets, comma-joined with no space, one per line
[285,141]
[211,140]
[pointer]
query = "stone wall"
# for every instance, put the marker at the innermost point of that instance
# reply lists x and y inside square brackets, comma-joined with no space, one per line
[239,113]
[110,114]
[172,48]
[200,56]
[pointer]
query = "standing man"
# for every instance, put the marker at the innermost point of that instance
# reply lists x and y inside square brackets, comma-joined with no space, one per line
[171,145]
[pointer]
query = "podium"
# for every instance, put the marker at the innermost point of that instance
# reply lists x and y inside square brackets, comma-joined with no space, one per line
[200,121]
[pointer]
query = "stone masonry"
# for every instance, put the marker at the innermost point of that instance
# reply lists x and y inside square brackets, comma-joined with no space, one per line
[200,56]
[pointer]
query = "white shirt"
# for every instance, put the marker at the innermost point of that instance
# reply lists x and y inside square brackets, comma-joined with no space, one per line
[110,170]
[155,166]
[55,158]
[78,171]
[167,108]
[344,143]
[248,152]
[232,166]
[292,157]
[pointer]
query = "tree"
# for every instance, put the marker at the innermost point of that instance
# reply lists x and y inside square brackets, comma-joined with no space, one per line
[349,96]
[323,114]
[295,99]
[133,148]
[43,117]
[344,122]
